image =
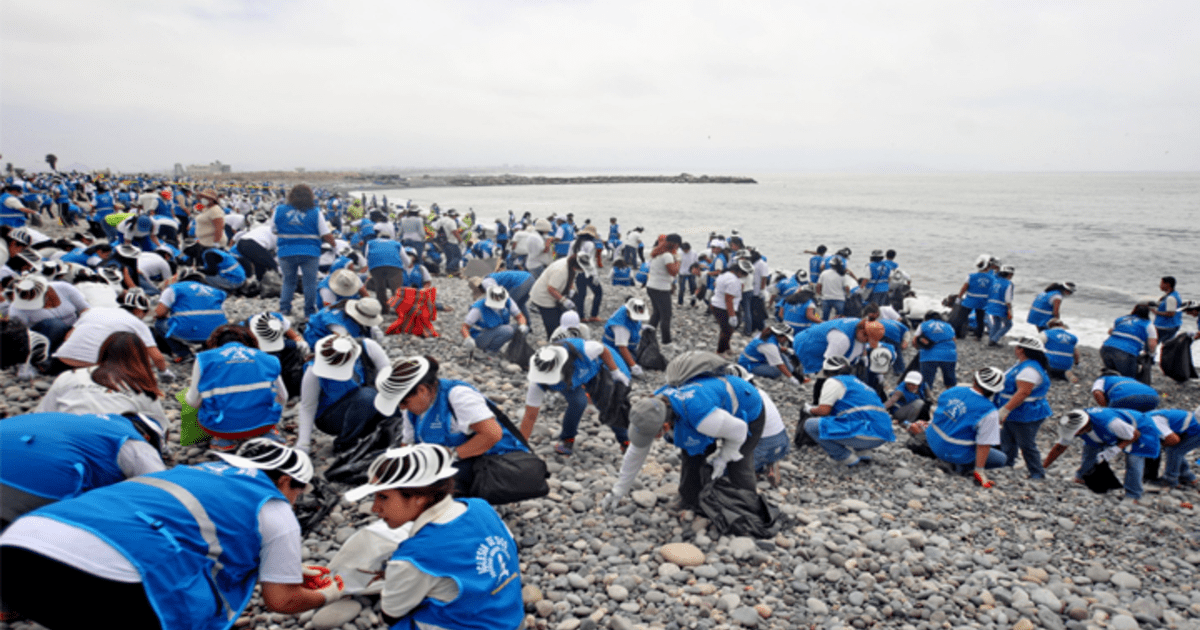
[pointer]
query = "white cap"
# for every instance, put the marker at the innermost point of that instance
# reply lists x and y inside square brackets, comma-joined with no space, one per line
[914,378]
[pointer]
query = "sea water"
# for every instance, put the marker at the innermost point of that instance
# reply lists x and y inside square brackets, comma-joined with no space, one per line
[1113,234]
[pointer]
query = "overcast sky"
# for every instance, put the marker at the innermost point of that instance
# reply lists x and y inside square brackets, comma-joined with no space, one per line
[704,87]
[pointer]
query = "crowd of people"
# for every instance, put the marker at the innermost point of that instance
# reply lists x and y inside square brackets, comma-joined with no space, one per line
[132,294]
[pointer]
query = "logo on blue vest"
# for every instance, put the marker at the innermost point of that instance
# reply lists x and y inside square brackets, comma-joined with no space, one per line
[491,558]
[237,354]
[954,409]
[295,217]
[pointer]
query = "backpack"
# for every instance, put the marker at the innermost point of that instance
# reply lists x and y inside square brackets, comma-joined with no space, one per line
[693,363]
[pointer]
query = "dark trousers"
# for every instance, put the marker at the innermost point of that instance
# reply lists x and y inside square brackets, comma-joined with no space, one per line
[726,330]
[350,418]
[256,259]
[660,318]
[694,473]
[60,596]
[385,281]
[583,283]
[551,316]
[687,284]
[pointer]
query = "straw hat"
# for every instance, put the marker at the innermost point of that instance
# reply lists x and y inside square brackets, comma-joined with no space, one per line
[367,311]
[209,194]
[344,283]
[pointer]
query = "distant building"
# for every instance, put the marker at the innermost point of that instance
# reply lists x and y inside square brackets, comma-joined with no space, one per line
[201,170]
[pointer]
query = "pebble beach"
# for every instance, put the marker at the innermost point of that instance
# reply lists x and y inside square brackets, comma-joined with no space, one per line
[897,544]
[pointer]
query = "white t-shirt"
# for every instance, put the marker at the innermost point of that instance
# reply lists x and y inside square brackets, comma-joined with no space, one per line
[837,344]
[74,391]
[555,275]
[310,395]
[535,246]
[535,395]
[774,420]
[1030,375]
[659,277]
[153,266]
[633,238]
[470,407]
[95,326]
[71,303]
[1119,428]
[447,225]
[686,260]
[263,235]
[727,284]
[832,285]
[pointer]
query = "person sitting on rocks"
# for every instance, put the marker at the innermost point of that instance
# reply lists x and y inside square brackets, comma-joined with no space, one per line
[277,338]
[486,325]
[236,388]
[122,381]
[567,366]
[624,329]
[849,416]
[188,312]
[910,401]
[337,393]
[966,426]
[1122,392]
[50,308]
[765,355]
[222,269]
[342,284]
[1181,435]
[1106,433]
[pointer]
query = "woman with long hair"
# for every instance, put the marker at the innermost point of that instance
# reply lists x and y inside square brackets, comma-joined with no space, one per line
[122,381]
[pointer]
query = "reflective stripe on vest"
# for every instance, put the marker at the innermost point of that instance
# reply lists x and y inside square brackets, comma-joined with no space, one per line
[236,389]
[948,439]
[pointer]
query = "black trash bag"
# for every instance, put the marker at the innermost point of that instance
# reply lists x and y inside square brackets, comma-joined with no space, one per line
[518,350]
[853,306]
[14,343]
[738,512]
[271,285]
[1101,479]
[511,477]
[802,439]
[919,446]
[1177,358]
[611,398]
[351,465]
[312,507]
[1150,472]
[649,355]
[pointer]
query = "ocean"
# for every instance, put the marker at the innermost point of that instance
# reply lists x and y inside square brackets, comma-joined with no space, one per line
[1114,235]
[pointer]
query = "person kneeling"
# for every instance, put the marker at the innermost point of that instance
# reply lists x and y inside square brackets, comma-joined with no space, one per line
[850,416]
[486,326]
[966,425]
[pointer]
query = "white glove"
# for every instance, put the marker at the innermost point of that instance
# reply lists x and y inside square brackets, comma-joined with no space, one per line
[637,370]
[795,381]
[376,334]
[809,408]
[1109,454]
[26,372]
[166,376]
[523,328]
[1004,411]
[567,303]
[613,498]
[321,580]
[619,377]
[303,347]
[718,466]
[733,321]
[469,343]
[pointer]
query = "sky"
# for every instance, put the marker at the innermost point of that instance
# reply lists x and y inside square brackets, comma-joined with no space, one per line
[732,88]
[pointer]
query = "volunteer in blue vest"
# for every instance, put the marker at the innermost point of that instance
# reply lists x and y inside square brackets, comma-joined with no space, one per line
[765,355]
[448,412]
[849,417]
[966,426]
[237,388]
[458,568]
[188,312]
[937,350]
[564,235]
[910,401]
[845,337]
[486,325]
[1168,316]
[300,228]
[566,367]
[973,296]
[342,284]
[386,261]
[518,284]
[1046,304]
[1106,433]
[222,270]
[180,549]
[1180,432]
[277,338]
[875,279]
[359,318]
[337,393]
[1023,405]
[13,212]
[999,305]
[799,310]
[48,457]
[1062,352]
[716,422]
[1131,336]
[1122,392]
[624,329]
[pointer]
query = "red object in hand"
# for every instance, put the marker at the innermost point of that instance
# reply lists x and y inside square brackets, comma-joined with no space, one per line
[316,577]
[983,481]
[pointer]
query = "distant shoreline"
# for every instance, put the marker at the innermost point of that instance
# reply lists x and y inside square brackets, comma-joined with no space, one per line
[346,181]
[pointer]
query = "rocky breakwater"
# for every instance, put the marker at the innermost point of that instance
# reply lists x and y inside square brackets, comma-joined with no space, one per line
[369,181]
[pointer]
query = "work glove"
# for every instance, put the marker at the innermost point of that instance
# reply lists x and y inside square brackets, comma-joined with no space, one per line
[166,376]
[303,347]
[718,466]
[328,584]
[523,328]
[808,409]
[795,381]
[567,303]
[468,343]
[733,321]
[981,479]
[314,576]
[1109,454]
[1004,411]
[613,498]
[619,377]
[637,370]
[376,334]
[26,372]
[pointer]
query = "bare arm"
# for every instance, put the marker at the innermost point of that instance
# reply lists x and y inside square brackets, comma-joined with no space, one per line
[1055,451]
[487,434]
[529,419]
[290,598]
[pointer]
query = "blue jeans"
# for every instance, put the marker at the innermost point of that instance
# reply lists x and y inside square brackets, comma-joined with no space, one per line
[1175,460]
[929,370]
[997,327]
[995,459]
[288,267]
[417,245]
[492,339]
[222,283]
[1023,436]
[175,346]
[836,306]
[766,371]
[1124,363]
[577,402]
[453,255]
[771,449]
[687,284]
[1135,465]
[54,329]
[841,449]
[352,416]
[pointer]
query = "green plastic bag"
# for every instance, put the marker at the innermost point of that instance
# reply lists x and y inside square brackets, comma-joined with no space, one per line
[189,424]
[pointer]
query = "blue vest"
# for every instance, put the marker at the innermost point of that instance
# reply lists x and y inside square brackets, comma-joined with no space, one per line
[435,425]
[1060,349]
[237,390]
[1174,321]
[752,356]
[562,247]
[1126,393]
[878,282]
[1035,407]
[979,286]
[811,345]
[1182,423]
[197,311]
[622,277]
[699,397]
[510,280]
[413,277]
[796,316]
[816,265]
[1128,335]
[1042,310]
[997,303]
[478,553]
[62,455]
[229,268]
[622,318]
[104,205]
[858,413]
[787,287]
[77,256]
[582,371]
[942,336]
[643,274]
[332,391]
[614,232]
[299,232]
[10,216]
[1147,445]
[483,249]
[489,318]
[907,397]
[191,532]
[384,253]
[320,323]
[951,434]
